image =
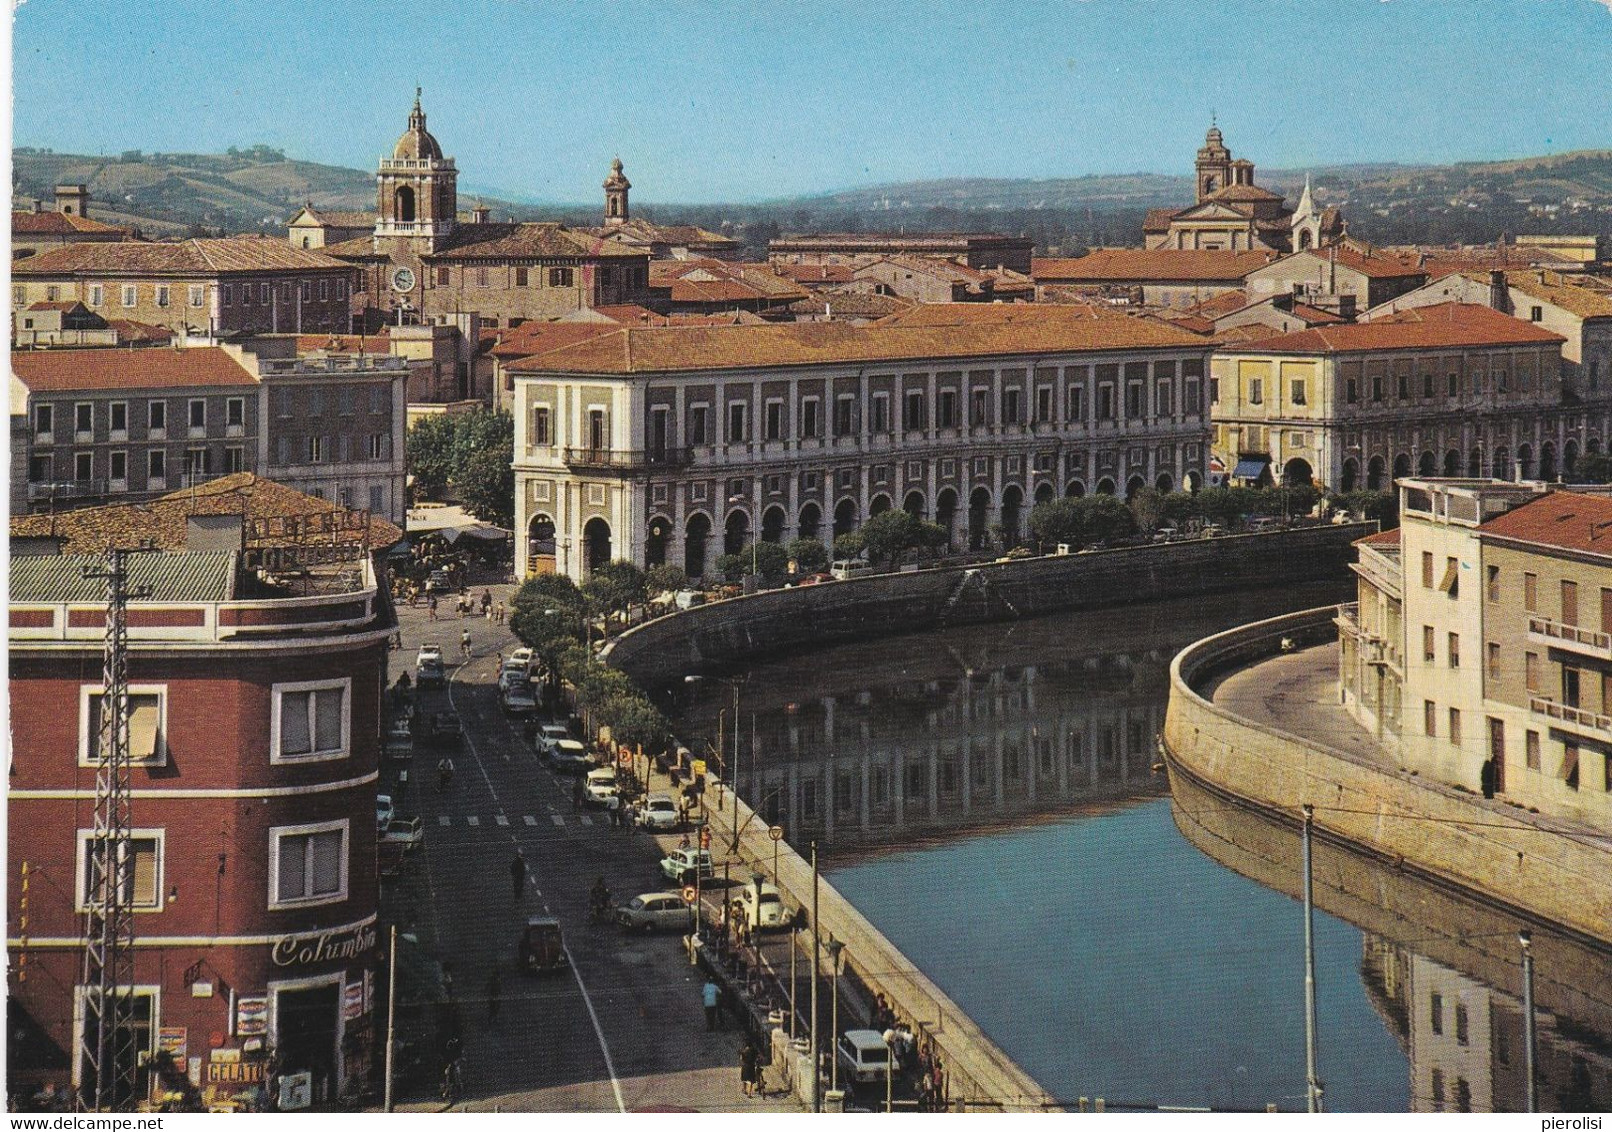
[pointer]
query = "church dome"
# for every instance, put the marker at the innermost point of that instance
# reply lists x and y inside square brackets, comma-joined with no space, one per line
[417,144]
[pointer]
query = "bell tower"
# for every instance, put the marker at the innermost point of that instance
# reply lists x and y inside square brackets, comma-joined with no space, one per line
[417,196]
[616,187]
[1214,164]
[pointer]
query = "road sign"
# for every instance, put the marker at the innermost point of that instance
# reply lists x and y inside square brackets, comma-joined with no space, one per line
[690,894]
[776,832]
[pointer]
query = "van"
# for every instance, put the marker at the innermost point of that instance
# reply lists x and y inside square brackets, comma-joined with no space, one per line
[865,1055]
[688,599]
[847,568]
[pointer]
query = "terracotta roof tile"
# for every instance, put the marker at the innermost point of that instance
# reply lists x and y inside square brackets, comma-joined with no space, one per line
[44,371]
[1380,539]
[531,338]
[186,257]
[1569,520]
[1577,298]
[1443,326]
[1133,265]
[344,343]
[26,223]
[528,241]
[815,274]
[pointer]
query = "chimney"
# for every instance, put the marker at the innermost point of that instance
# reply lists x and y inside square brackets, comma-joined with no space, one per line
[1497,291]
[479,214]
[1346,306]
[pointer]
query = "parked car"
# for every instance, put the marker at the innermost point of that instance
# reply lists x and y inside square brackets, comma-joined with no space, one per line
[542,947]
[865,1055]
[518,700]
[761,907]
[549,734]
[1166,534]
[569,757]
[658,812]
[523,656]
[600,788]
[656,911]
[1262,523]
[683,865]
[428,668]
[688,599]
[384,812]
[446,730]
[847,568]
[513,672]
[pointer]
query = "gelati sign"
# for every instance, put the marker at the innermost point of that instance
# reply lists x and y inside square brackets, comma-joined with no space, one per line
[317,947]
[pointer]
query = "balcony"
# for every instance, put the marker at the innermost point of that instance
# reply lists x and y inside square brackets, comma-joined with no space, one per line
[1570,638]
[624,460]
[1591,724]
[67,490]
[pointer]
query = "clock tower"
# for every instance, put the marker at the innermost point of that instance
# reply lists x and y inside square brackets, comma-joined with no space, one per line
[417,198]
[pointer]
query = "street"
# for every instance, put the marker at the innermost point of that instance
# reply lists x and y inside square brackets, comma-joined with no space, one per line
[624,1030]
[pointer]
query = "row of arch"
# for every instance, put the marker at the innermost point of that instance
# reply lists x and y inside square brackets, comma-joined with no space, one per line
[1502,463]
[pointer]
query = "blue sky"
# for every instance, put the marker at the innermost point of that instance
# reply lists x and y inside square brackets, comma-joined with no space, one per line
[727,101]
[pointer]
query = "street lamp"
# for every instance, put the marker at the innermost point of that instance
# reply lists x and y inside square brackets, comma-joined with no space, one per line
[835,949]
[733,682]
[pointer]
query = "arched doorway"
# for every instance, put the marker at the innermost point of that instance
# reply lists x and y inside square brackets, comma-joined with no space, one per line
[1525,461]
[1570,458]
[1134,485]
[1012,507]
[946,512]
[844,517]
[1376,472]
[880,504]
[1402,466]
[1074,490]
[1592,446]
[1105,486]
[1351,475]
[772,524]
[596,544]
[696,536]
[660,529]
[1297,473]
[1474,464]
[405,203]
[540,545]
[1547,461]
[811,521]
[1502,464]
[736,533]
[1194,482]
[914,504]
[979,509]
[1452,463]
[1165,482]
[1044,493]
[1428,465]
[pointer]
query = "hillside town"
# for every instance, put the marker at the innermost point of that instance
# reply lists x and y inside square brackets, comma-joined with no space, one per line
[559,541]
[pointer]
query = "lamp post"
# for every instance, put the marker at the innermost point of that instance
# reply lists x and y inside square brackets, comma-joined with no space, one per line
[835,949]
[1531,1091]
[817,939]
[1312,1080]
[733,682]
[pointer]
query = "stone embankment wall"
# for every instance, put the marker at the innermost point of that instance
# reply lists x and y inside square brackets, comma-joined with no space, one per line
[1529,864]
[664,650]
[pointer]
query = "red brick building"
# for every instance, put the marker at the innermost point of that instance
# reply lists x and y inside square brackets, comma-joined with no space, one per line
[255,718]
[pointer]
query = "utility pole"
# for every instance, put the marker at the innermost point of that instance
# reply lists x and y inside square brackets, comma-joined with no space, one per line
[817,1076]
[1312,1088]
[109,1037]
[391,1018]
[1529,1050]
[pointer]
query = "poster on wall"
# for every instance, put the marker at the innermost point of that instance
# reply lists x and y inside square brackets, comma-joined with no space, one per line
[172,1040]
[251,1016]
[352,1004]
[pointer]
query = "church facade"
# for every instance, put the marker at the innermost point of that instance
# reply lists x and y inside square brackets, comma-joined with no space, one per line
[1232,213]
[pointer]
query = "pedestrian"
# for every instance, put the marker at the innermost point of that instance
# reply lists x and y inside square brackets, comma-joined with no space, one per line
[710,998]
[576,796]
[486,601]
[431,606]
[444,772]
[750,1068]
[499,618]
[495,990]
[517,873]
[464,643]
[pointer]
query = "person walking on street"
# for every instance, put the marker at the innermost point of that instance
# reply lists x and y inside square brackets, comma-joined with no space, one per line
[495,991]
[517,874]
[464,643]
[431,606]
[486,601]
[750,1068]
[444,772]
[710,998]
[498,616]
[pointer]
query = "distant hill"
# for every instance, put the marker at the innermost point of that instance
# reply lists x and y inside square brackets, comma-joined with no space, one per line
[259,189]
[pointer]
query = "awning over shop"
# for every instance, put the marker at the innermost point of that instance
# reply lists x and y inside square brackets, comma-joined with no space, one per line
[1251,467]
[452,535]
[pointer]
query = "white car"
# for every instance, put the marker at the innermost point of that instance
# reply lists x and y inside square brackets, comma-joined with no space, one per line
[658,812]
[569,757]
[761,907]
[865,1055]
[512,674]
[600,788]
[384,812]
[518,700]
[549,734]
[653,911]
[522,656]
[428,653]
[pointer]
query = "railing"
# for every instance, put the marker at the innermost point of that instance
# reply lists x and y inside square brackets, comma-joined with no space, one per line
[1571,636]
[68,489]
[619,459]
[1594,722]
[335,363]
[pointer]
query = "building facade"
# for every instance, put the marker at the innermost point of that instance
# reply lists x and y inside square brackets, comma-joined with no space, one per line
[980,250]
[1480,643]
[676,446]
[69,222]
[1456,389]
[254,723]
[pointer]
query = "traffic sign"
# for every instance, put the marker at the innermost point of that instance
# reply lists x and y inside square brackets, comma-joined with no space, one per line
[776,832]
[690,894]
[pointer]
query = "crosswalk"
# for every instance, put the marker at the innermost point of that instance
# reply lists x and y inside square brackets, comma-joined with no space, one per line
[478,821]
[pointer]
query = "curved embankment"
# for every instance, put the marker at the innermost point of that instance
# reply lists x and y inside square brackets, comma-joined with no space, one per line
[1524,864]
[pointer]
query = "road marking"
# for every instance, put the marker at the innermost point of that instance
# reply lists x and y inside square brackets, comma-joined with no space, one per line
[473,820]
[444,819]
[604,1047]
[557,819]
[529,820]
[501,820]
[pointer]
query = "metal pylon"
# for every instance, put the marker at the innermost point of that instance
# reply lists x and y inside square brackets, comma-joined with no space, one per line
[110,1056]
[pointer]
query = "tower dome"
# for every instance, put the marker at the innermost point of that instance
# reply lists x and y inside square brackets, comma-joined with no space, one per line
[417,144]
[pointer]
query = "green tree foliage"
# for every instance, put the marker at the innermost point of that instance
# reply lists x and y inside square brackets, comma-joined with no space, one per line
[1081,522]
[547,614]
[889,535]
[666,578]
[810,555]
[1382,506]
[615,587]
[430,453]
[849,545]
[732,567]
[1592,469]
[471,451]
[487,487]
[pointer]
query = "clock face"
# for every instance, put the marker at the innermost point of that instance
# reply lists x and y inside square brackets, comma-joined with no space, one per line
[402,279]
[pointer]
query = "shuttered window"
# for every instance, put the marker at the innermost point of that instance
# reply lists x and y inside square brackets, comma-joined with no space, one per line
[142,878]
[309,864]
[145,726]
[311,720]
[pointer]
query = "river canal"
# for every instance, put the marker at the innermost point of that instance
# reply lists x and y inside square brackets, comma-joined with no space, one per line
[988,797]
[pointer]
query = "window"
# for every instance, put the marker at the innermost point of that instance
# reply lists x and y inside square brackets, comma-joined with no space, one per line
[39,469]
[775,420]
[880,407]
[316,402]
[1530,593]
[697,425]
[1299,391]
[377,499]
[1536,314]
[316,450]
[1461,1036]
[344,400]
[148,720]
[542,437]
[1190,401]
[1494,661]
[1164,399]
[1076,404]
[282,450]
[324,290]
[1571,685]
[83,417]
[308,864]
[1256,390]
[1531,750]
[119,414]
[163,292]
[1427,385]
[128,295]
[141,872]
[1351,391]
[916,420]
[1455,726]
[234,459]
[1569,771]
[946,409]
[19,296]
[598,432]
[1436,1088]
[196,294]
[157,464]
[1429,718]
[1455,650]
[561,277]
[444,276]
[1494,583]
[1436,1012]
[1452,384]
[380,399]
[1105,402]
[83,466]
[118,467]
[522,277]
[1428,649]
[344,447]
[1012,410]
[736,422]
[1427,570]
[1404,387]
[810,481]
[1450,582]
[1134,404]
[310,721]
[845,414]
[810,426]
[263,293]
[379,443]
[1569,603]
[198,413]
[235,412]
[196,461]
[1376,389]
[1043,404]
[44,417]
[97,295]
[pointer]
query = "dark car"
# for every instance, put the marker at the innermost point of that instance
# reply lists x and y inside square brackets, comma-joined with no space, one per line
[542,947]
[446,730]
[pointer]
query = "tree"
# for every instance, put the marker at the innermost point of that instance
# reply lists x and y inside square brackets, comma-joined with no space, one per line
[666,578]
[770,560]
[430,453]
[810,556]
[474,453]
[1147,509]
[615,587]
[732,567]
[1106,518]
[849,545]
[547,614]
[890,534]
[1057,520]
[487,486]
[1593,469]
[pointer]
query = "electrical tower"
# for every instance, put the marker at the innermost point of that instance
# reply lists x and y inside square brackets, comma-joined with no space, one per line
[110,1053]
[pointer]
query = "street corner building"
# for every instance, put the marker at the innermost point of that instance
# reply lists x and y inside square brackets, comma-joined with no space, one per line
[257,638]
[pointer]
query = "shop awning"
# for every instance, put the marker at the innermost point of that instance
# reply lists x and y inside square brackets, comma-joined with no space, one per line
[1250,467]
[487,534]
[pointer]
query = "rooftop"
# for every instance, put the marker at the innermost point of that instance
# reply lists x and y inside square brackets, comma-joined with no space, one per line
[185,257]
[1578,298]
[1567,520]
[528,241]
[1137,265]
[50,371]
[194,576]
[52,223]
[1447,325]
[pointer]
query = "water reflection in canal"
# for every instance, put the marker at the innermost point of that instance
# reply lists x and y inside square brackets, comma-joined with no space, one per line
[985,795]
